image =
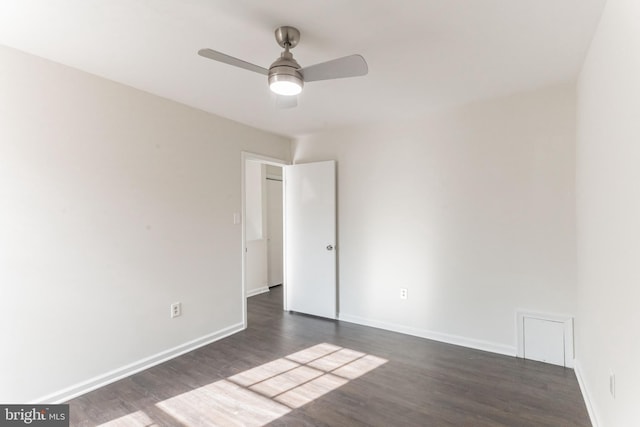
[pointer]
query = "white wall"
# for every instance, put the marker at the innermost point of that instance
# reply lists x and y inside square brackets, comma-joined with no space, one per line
[113,204]
[255,225]
[608,208]
[472,210]
[254,202]
[256,267]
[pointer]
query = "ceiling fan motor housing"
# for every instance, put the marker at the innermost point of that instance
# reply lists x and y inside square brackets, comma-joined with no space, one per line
[286,70]
[287,37]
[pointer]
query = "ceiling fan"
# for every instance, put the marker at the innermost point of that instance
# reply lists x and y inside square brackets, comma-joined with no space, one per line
[285,76]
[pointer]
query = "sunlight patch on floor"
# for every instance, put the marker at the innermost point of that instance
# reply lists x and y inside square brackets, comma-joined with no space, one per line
[286,381]
[307,392]
[223,403]
[312,353]
[263,372]
[265,393]
[135,419]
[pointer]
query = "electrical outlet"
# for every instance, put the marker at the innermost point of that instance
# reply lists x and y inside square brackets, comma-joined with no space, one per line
[612,384]
[404,294]
[176,309]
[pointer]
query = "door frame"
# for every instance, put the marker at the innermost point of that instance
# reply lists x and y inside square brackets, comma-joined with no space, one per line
[249,156]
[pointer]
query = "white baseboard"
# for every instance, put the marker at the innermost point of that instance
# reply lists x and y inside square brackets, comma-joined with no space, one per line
[135,367]
[585,393]
[257,291]
[436,336]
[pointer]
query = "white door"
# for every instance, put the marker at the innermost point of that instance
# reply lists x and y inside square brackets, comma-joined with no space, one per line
[310,238]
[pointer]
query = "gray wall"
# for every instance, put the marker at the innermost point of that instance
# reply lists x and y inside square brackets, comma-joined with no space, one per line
[471,210]
[114,204]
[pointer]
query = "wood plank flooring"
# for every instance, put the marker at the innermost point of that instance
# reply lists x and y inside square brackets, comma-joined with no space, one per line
[295,370]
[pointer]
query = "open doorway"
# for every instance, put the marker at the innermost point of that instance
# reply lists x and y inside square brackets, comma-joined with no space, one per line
[262,234]
[275,232]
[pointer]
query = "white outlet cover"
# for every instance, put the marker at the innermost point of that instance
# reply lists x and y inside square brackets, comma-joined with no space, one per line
[176,309]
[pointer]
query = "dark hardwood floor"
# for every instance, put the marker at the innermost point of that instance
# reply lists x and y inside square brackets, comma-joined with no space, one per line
[295,370]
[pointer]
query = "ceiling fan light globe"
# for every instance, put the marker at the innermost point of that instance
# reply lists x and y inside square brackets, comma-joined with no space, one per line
[285,84]
[285,88]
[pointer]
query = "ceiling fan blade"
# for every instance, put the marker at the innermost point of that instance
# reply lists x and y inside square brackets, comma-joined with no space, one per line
[221,57]
[347,66]
[283,101]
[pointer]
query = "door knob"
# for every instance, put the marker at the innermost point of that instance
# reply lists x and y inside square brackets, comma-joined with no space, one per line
[329,247]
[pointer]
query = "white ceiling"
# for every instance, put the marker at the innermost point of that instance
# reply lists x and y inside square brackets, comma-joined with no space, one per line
[423,55]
